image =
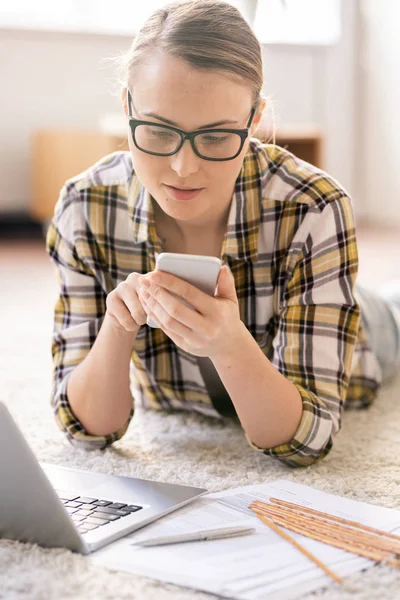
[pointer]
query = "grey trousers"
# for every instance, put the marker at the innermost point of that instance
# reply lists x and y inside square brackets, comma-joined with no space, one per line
[380,315]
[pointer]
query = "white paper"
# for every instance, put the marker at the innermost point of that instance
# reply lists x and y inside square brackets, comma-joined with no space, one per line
[252,567]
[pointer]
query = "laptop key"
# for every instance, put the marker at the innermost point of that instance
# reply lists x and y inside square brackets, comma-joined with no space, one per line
[83,512]
[133,508]
[96,521]
[70,510]
[115,511]
[85,500]
[101,515]
[77,518]
[72,504]
[88,526]
[116,505]
[66,496]
[88,506]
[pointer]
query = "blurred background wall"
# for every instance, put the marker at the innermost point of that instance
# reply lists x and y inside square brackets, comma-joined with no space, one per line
[350,89]
[379,115]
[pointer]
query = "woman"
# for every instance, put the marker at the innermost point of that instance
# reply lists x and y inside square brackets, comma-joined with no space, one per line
[282,346]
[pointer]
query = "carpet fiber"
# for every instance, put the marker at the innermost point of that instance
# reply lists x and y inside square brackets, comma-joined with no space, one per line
[179,448]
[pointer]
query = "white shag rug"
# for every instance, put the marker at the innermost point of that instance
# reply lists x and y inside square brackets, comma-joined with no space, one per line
[181,448]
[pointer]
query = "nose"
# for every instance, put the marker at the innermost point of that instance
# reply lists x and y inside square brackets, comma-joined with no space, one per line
[185,162]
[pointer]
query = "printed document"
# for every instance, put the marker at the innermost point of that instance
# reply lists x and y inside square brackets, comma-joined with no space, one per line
[252,567]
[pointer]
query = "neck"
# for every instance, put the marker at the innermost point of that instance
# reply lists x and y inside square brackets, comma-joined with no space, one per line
[204,238]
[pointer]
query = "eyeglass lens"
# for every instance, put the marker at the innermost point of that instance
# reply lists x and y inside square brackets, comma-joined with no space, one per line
[162,140]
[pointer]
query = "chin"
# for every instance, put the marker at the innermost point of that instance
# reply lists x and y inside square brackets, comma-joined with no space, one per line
[181,211]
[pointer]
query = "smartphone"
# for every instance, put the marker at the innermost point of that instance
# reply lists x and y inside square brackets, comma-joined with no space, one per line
[200,271]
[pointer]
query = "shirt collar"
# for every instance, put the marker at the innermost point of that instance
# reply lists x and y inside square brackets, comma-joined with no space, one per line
[241,238]
[141,211]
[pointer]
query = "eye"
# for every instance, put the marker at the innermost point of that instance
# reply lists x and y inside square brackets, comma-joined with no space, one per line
[161,133]
[214,139]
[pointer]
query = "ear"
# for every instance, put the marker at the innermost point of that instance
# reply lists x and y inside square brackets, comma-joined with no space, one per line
[258,116]
[124,98]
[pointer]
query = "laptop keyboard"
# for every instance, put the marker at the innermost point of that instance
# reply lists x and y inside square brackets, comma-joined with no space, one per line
[91,513]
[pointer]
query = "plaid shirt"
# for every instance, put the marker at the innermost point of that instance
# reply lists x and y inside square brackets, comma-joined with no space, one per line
[291,246]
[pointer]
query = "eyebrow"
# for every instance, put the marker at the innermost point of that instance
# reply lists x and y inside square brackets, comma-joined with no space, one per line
[209,125]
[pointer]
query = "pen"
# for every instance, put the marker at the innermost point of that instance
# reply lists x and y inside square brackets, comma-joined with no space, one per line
[197,536]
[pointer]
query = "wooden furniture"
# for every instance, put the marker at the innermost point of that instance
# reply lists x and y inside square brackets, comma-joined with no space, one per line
[305,141]
[58,155]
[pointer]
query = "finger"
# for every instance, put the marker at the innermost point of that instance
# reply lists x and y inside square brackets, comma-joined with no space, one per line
[119,325]
[198,327]
[152,317]
[201,301]
[176,309]
[121,315]
[117,307]
[133,305]
[166,321]
[180,340]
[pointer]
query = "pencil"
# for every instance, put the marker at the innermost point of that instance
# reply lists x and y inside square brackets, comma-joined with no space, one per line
[326,526]
[353,547]
[312,511]
[323,530]
[308,554]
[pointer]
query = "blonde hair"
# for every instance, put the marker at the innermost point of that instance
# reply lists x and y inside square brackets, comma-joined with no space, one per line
[207,34]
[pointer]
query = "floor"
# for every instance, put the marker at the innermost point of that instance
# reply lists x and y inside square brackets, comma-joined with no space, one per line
[179,448]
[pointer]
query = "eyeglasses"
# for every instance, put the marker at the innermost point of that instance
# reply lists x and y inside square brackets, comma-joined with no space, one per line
[209,144]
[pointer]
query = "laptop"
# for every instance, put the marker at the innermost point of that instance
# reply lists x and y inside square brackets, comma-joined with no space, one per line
[68,508]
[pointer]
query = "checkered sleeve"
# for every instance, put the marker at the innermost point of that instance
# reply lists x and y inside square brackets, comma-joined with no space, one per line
[317,329]
[79,310]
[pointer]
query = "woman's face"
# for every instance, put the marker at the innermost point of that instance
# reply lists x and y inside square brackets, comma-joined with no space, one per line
[189,99]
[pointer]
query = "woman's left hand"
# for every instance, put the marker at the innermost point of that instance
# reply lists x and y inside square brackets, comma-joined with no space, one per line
[213,328]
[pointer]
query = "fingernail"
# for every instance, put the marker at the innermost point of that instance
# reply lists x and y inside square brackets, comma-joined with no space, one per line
[228,268]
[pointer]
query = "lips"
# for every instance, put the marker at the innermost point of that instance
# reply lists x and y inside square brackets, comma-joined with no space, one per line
[183,193]
[185,189]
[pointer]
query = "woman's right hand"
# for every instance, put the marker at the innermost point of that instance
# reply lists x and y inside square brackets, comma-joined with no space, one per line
[124,307]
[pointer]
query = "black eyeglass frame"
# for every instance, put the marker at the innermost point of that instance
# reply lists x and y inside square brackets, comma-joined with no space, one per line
[243,133]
